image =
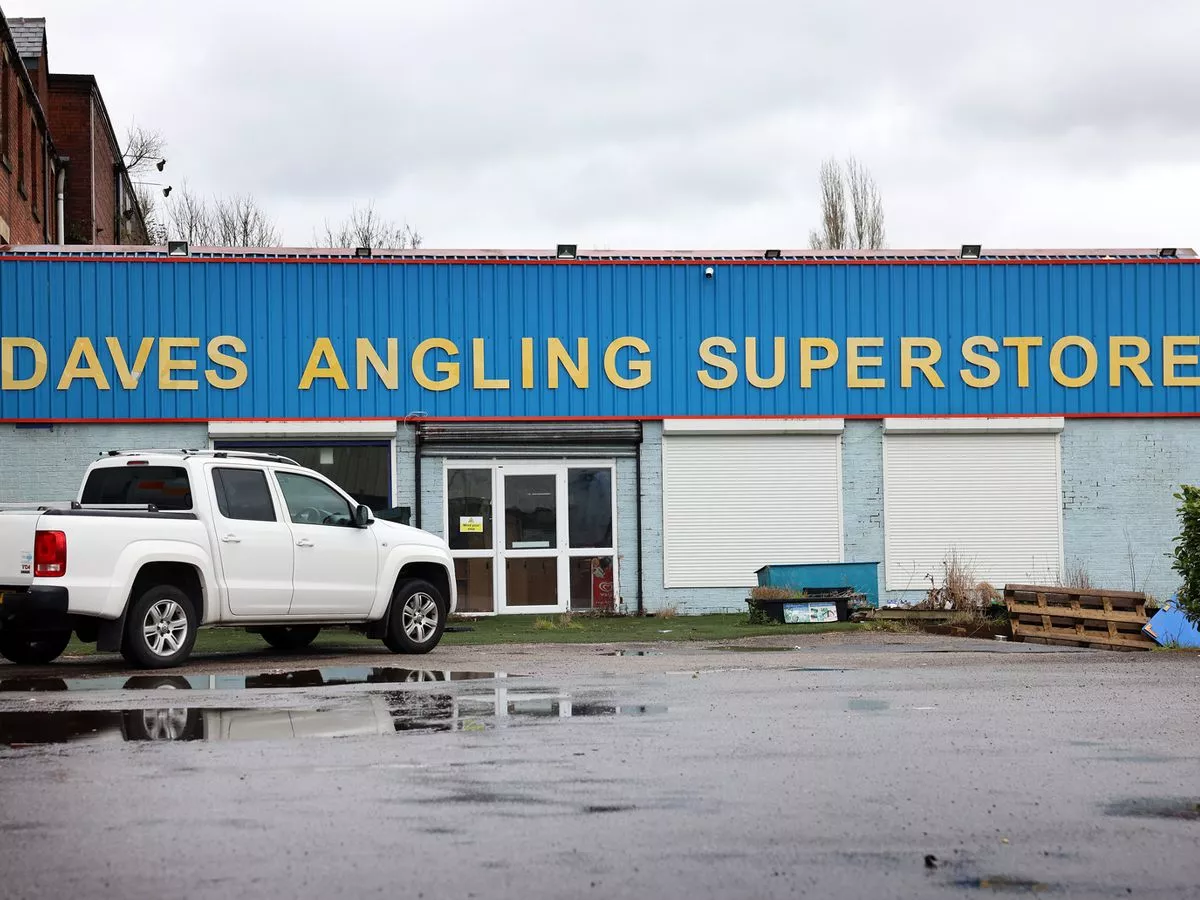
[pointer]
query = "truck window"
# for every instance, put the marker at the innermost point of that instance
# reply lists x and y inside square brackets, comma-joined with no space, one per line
[243,494]
[312,502]
[166,487]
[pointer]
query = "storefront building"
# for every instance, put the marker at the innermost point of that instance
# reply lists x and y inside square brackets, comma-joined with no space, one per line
[645,431]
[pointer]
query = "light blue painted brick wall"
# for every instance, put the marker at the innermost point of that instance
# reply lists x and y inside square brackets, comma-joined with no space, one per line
[1118,478]
[48,465]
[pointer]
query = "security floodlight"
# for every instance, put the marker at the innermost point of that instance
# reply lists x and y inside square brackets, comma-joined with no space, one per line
[566,251]
[1169,252]
[971,251]
[773,254]
[160,164]
[177,248]
[362,252]
[167,191]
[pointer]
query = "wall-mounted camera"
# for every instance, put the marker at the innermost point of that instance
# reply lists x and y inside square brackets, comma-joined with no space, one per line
[708,271]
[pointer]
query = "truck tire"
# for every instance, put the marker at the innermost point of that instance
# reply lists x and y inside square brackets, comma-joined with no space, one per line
[35,648]
[160,628]
[416,619]
[290,637]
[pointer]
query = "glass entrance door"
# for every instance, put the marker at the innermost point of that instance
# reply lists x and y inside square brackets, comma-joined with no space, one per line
[532,537]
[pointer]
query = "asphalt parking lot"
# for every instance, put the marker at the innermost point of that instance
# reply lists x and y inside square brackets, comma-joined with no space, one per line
[854,765]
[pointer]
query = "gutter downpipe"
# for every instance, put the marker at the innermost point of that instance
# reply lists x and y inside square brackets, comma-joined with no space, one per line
[641,606]
[60,187]
[417,476]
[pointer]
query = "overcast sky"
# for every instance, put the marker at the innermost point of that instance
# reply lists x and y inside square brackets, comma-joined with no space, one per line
[665,125]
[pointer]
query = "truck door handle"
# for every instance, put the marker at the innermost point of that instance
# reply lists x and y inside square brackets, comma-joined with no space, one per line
[231,539]
[304,542]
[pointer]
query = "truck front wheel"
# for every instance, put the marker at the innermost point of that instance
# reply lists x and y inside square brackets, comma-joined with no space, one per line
[417,618]
[160,628]
[34,648]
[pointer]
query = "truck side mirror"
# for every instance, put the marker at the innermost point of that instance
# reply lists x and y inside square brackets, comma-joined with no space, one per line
[362,516]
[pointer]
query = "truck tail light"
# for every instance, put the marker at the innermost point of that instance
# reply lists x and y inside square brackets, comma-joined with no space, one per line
[49,554]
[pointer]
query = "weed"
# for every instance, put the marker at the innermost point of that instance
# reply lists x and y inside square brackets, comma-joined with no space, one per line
[1076,576]
[668,612]
[959,590]
[775,593]
[541,623]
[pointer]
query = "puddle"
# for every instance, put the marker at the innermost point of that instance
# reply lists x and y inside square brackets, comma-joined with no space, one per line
[375,714]
[632,653]
[1003,884]
[756,649]
[868,704]
[816,669]
[305,678]
[1150,808]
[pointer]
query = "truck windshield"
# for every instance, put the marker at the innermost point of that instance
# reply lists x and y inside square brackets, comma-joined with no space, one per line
[166,487]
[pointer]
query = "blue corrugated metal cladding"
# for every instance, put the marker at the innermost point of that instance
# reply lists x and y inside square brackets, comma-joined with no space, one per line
[211,339]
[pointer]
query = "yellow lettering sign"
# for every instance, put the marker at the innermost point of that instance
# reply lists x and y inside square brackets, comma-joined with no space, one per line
[83,363]
[925,363]
[856,362]
[389,372]
[1173,359]
[218,357]
[323,363]
[640,366]
[1023,344]
[527,362]
[778,372]
[9,380]
[1090,361]
[809,363]
[168,365]
[974,358]
[479,368]
[1117,360]
[129,376]
[576,368]
[709,358]
[448,369]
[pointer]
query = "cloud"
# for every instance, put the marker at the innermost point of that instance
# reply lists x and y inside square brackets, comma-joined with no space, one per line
[665,124]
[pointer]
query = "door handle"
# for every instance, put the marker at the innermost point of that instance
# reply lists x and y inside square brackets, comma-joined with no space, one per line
[231,539]
[304,542]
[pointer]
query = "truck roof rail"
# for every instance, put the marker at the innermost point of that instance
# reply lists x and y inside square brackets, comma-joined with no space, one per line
[215,454]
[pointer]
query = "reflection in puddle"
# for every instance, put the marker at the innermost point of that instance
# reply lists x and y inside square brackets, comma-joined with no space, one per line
[632,653]
[368,714]
[865,703]
[1150,808]
[756,649]
[305,678]
[1003,883]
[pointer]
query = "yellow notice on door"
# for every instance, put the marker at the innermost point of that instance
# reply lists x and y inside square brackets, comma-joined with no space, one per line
[470,524]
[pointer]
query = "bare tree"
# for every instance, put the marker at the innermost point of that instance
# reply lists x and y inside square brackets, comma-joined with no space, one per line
[851,209]
[144,148]
[365,228]
[156,226]
[240,222]
[236,221]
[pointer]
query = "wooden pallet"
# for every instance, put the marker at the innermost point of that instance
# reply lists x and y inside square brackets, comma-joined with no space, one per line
[1077,617]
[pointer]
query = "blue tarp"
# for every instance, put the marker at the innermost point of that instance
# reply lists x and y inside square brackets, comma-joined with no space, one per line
[1170,627]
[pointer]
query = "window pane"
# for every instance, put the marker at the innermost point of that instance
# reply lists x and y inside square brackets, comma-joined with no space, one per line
[589,507]
[532,582]
[312,502]
[243,494]
[166,487]
[530,517]
[592,582]
[469,506]
[364,471]
[474,577]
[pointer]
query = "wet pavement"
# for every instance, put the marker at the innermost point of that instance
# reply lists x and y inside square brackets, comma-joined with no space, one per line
[859,766]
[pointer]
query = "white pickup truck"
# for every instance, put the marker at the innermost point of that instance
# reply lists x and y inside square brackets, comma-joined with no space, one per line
[160,543]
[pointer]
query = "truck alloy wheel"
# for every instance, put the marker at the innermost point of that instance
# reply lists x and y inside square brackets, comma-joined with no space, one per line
[418,618]
[160,628]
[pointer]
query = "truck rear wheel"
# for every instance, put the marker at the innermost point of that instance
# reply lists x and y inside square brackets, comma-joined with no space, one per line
[160,628]
[417,618]
[34,648]
[290,637]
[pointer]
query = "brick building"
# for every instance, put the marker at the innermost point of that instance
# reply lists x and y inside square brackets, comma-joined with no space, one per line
[62,176]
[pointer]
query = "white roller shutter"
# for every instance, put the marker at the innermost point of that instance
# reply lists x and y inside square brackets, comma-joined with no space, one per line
[993,498]
[733,503]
